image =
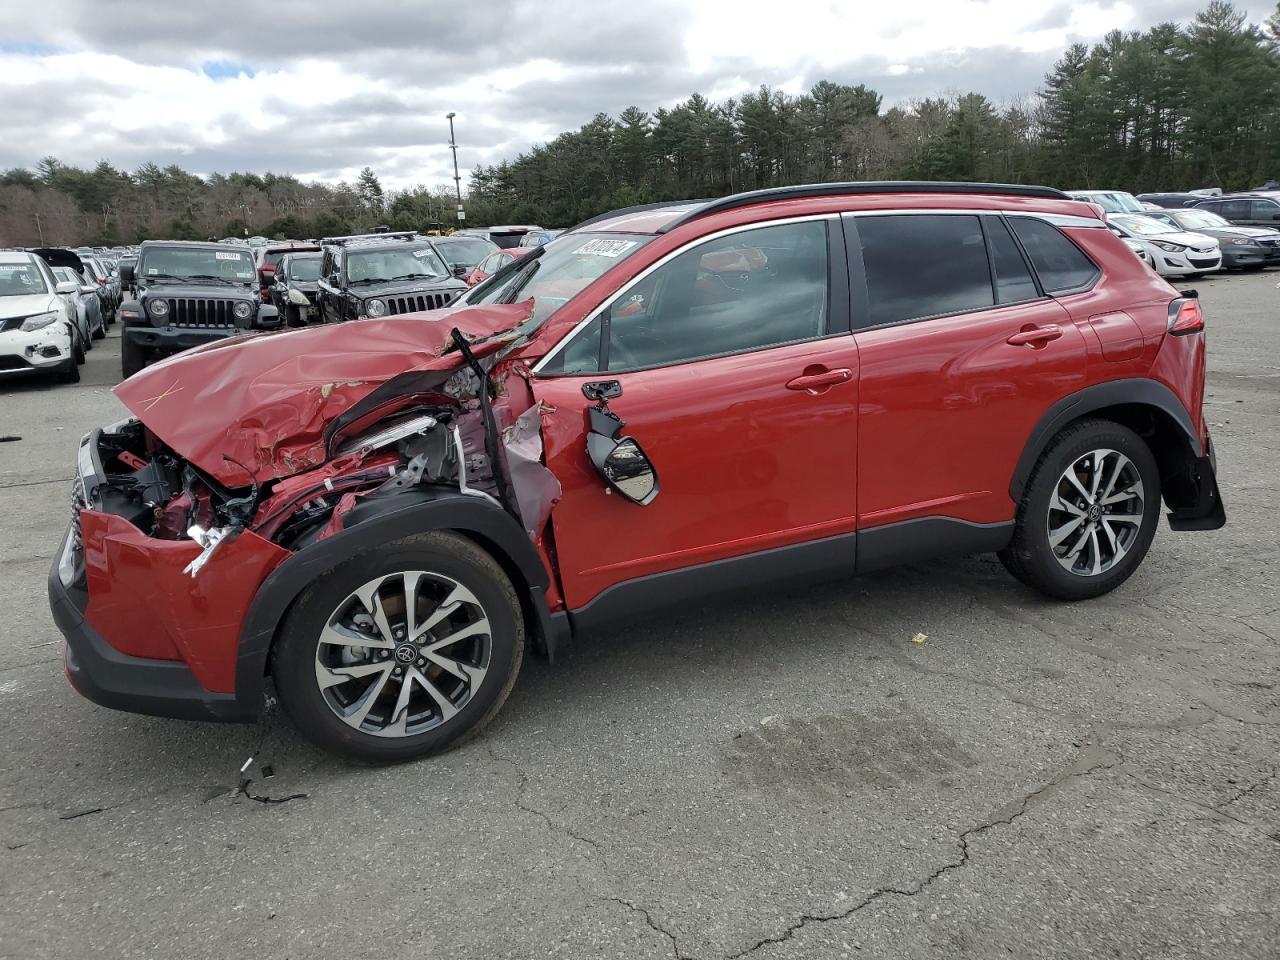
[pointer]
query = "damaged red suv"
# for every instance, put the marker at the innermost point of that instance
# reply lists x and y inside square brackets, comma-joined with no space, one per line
[661,404]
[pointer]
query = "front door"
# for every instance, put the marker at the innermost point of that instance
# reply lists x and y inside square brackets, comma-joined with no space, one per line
[741,386]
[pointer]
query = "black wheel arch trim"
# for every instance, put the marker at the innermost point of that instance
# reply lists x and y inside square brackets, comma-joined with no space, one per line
[412,512]
[1140,391]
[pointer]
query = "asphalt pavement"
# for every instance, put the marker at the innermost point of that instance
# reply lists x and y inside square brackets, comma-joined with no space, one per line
[782,776]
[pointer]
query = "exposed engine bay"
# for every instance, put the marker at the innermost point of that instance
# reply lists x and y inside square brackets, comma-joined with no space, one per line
[444,429]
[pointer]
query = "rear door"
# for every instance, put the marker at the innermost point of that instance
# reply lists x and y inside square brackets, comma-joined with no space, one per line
[739,379]
[961,351]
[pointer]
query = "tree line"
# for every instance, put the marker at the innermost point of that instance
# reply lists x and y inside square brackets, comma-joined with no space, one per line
[1170,108]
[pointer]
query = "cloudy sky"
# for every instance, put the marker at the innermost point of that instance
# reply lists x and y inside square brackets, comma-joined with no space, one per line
[321,89]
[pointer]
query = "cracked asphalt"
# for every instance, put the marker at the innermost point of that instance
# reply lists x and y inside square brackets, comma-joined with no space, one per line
[780,776]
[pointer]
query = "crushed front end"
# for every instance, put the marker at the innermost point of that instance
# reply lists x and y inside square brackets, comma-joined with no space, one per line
[167,550]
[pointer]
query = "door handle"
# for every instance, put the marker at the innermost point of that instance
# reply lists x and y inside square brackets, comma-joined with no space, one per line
[820,380]
[1035,336]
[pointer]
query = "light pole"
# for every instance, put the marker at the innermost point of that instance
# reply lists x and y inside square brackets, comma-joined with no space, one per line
[457,180]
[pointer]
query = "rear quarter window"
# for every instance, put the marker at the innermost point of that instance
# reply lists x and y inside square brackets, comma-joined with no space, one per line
[1060,264]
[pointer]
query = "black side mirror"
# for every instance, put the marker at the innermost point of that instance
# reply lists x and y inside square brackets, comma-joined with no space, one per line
[621,460]
[126,273]
[459,269]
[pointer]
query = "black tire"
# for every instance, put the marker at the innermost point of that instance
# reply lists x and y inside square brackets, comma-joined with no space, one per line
[132,357]
[69,372]
[292,317]
[101,332]
[1029,556]
[77,347]
[293,658]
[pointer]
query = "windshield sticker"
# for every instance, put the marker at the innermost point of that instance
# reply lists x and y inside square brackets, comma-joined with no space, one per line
[423,253]
[227,256]
[606,248]
[152,271]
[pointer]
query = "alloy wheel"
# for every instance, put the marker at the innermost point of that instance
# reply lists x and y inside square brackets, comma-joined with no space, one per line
[1095,512]
[403,654]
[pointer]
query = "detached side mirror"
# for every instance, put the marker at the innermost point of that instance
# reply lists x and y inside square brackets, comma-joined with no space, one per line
[67,286]
[459,270]
[620,460]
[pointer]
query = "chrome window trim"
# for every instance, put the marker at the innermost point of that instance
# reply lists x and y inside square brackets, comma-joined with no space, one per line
[666,258]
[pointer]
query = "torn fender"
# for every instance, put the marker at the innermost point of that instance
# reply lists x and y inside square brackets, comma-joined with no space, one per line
[264,400]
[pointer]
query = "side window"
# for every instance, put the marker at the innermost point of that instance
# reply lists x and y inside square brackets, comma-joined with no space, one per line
[1265,210]
[923,265]
[1231,209]
[746,291]
[1014,282]
[1060,264]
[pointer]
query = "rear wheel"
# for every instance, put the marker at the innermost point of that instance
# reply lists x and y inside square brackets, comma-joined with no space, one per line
[401,652]
[1088,514]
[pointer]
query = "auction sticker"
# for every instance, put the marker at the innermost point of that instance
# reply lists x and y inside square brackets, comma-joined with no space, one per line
[606,248]
[227,256]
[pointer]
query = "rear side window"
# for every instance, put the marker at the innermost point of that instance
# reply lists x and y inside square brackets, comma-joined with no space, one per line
[1265,210]
[1014,282]
[1059,263]
[924,266]
[1231,209]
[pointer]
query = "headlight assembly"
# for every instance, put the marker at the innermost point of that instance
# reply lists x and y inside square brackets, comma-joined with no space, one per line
[375,307]
[1171,247]
[242,309]
[39,321]
[1243,242]
[158,308]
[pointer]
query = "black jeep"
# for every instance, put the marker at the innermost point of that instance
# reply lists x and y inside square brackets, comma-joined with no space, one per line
[188,294]
[379,275]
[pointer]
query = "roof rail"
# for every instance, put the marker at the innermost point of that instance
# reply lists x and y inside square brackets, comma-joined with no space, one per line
[854,188]
[399,235]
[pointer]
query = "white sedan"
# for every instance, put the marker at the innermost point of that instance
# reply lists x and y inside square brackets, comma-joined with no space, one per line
[1172,252]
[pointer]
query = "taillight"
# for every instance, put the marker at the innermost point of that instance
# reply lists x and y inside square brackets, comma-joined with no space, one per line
[1185,316]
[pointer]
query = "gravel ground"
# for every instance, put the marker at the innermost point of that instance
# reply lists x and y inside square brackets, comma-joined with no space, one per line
[784,776]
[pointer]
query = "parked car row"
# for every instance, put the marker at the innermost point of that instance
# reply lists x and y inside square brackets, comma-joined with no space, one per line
[1190,234]
[51,311]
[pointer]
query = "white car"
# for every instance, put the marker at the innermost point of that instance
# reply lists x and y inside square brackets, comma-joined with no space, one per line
[1139,250]
[84,300]
[1111,201]
[36,329]
[1173,252]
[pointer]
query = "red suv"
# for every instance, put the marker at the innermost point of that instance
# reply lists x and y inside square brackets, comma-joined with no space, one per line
[663,403]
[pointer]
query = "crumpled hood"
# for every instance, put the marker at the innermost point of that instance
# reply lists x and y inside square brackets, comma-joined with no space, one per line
[264,399]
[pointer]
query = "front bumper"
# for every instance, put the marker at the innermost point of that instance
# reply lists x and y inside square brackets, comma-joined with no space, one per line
[1169,264]
[176,339]
[159,688]
[29,352]
[1236,257]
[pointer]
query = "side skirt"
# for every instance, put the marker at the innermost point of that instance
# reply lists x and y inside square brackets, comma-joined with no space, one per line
[928,537]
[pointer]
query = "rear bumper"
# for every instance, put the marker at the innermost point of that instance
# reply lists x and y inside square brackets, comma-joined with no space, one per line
[99,672]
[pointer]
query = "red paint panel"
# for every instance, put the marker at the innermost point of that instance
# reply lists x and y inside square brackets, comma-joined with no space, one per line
[946,407]
[745,464]
[264,400]
[1120,336]
[143,605]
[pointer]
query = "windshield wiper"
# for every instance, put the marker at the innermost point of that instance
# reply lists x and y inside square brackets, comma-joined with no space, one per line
[415,276]
[164,276]
[352,283]
[210,276]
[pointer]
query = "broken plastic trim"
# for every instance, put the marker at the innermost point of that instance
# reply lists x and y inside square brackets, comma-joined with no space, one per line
[490,427]
[389,435]
[210,540]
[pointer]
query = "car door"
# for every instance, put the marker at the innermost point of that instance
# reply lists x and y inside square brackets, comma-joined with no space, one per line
[961,351]
[738,377]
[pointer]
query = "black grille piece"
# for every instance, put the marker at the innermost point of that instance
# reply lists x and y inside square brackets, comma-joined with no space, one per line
[194,312]
[13,363]
[418,302]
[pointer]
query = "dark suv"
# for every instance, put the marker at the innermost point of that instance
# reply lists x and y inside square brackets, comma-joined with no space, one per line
[663,404]
[188,294]
[381,275]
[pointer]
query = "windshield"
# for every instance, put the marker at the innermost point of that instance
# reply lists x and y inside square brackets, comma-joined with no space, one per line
[466,252]
[20,279]
[397,263]
[304,268]
[183,263]
[562,269]
[1143,226]
[1200,218]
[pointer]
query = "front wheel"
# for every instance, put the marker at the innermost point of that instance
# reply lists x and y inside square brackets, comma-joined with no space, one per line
[401,652]
[1088,514]
[132,357]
